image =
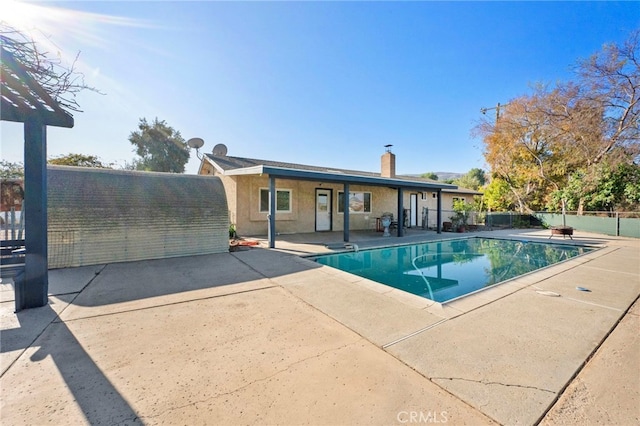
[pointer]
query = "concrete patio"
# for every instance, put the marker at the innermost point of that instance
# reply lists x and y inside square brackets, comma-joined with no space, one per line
[262,336]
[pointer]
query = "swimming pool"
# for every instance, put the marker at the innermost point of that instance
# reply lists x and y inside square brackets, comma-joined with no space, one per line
[445,270]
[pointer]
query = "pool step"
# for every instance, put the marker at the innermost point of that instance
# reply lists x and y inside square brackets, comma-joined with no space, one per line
[339,246]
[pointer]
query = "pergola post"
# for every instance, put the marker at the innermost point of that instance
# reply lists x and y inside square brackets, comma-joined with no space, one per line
[24,100]
[36,282]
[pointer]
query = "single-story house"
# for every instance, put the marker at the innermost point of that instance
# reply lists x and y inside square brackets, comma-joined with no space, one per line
[272,197]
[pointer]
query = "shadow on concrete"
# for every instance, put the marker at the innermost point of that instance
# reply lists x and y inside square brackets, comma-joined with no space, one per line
[95,395]
[239,271]
[36,334]
[39,333]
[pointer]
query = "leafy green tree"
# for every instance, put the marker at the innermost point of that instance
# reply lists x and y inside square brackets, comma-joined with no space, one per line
[429,175]
[9,170]
[498,196]
[479,175]
[631,187]
[160,147]
[79,160]
[474,179]
[615,188]
[462,210]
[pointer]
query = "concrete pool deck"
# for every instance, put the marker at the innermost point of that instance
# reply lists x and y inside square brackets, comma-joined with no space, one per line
[268,337]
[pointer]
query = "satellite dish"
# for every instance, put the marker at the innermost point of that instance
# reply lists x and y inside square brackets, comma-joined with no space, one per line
[220,150]
[195,143]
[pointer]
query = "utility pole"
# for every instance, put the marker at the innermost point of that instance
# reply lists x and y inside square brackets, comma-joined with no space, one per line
[497,108]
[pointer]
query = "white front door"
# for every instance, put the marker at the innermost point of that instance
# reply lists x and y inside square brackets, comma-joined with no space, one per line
[323,210]
[413,213]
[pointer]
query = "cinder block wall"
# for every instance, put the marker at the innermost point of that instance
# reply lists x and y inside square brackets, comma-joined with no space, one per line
[98,216]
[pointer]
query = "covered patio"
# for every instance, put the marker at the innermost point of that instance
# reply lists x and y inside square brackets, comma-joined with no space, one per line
[398,184]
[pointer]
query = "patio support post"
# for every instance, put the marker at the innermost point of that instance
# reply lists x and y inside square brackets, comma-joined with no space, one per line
[36,282]
[400,212]
[345,231]
[272,212]
[439,215]
[439,265]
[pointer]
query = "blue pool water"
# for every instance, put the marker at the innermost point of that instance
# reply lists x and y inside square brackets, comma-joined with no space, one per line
[445,270]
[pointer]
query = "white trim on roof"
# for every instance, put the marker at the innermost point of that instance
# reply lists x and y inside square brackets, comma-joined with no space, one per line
[213,163]
[255,170]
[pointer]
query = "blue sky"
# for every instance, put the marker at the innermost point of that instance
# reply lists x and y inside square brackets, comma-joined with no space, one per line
[321,83]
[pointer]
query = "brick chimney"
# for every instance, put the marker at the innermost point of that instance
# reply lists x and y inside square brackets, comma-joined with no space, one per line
[388,168]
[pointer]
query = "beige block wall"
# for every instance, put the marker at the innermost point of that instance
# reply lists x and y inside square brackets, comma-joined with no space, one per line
[230,189]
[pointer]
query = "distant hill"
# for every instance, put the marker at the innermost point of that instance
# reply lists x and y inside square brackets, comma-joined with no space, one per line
[442,176]
[448,175]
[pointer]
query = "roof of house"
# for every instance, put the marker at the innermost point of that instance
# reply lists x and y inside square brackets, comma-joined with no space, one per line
[230,165]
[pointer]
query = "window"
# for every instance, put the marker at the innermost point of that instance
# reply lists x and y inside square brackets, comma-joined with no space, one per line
[458,199]
[283,200]
[359,202]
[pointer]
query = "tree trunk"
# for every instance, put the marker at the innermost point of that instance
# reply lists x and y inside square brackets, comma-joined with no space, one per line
[581,207]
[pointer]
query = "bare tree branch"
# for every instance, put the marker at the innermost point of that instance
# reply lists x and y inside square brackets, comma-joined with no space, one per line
[61,82]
